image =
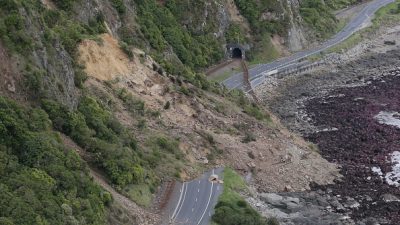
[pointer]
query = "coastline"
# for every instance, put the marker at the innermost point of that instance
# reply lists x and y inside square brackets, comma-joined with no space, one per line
[336,107]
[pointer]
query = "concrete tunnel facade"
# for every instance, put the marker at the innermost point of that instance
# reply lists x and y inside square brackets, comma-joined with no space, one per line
[236,51]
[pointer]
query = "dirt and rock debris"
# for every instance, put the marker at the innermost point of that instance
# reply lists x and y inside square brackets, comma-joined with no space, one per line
[211,131]
[340,108]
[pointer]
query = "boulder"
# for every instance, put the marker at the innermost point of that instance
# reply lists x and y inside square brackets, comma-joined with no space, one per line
[390,198]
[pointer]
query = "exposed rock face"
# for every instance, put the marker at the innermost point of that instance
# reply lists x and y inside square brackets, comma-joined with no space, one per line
[215,16]
[92,8]
[55,62]
[296,39]
[8,75]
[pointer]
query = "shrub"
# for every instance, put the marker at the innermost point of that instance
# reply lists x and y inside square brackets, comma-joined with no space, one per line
[134,105]
[34,82]
[125,48]
[249,137]
[319,16]
[38,173]
[119,6]
[167,105]
[80,75]
[256,112]
[64,4]
[231,208]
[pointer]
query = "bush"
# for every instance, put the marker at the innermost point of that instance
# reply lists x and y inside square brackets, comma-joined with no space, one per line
[161,27]
[34,82]
[256,112]
[119,6]
[80,75]
[13,33]
[167,105]
[319,16]
[37,173]
[231,208]
[134,105]
[64,4]
[249,137]
[125,48]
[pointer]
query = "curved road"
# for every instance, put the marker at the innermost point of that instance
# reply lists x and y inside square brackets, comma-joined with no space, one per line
[258,73]
[192,203]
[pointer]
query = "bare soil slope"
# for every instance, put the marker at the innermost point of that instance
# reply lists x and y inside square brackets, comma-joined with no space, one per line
[210,129]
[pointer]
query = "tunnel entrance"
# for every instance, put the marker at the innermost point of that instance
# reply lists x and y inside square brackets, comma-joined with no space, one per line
[237,53]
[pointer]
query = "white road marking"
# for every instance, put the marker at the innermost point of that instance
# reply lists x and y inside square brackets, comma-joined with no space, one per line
[198,189]
[179,201]
[183,200]
[196,200]
[192,209]
[208,203]
[365,11]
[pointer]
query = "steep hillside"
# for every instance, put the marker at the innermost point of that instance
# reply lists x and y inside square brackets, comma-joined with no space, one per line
[102,101]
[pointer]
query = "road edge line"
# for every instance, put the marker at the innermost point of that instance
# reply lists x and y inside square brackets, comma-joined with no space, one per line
[208,203]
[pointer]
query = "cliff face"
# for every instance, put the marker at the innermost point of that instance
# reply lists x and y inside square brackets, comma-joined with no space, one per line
[198,32]
[217,16]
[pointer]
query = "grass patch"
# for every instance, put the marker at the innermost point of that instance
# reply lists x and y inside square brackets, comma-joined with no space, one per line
[232,209]
[387,14]
[233,181]
[225,75]
[248,107]
[256,112]
[267,51]
[140,193]
[347,44]
[341,24]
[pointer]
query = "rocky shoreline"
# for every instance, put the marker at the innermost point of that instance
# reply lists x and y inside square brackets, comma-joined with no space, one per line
[343,110]
[359,143]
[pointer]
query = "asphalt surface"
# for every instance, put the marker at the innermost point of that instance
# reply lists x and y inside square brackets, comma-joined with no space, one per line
[257,74]
[192,203]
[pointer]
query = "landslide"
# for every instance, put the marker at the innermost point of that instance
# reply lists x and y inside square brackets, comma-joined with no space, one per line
[213,129]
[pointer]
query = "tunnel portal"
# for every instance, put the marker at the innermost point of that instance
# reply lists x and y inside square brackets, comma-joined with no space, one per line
[237,53]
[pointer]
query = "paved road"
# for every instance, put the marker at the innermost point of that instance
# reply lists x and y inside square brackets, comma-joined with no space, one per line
[258,73]
[192,203]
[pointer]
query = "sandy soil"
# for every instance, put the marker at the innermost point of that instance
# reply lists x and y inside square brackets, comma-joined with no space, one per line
[104,61]
[279,43]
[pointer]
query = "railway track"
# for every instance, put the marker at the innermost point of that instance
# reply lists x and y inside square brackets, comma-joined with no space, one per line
[217,67]
[246,79]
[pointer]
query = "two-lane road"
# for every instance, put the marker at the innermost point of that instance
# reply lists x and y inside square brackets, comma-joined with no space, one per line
[258,73]
[193,202]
